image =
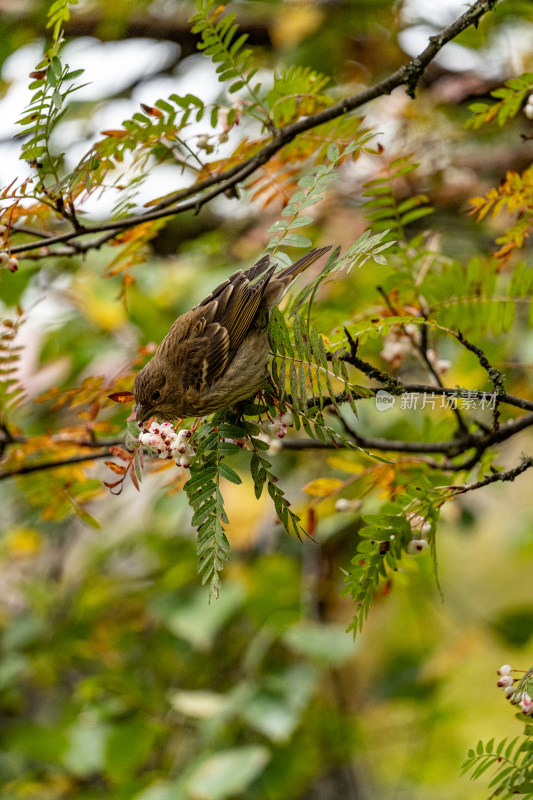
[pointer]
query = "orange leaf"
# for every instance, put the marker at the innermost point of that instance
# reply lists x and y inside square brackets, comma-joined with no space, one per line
[154,112]
[122,397]
[147,349]
[116,134]
[119,452]
[120,469]
[310,525]
[134,480]
[161,466]
[112,485]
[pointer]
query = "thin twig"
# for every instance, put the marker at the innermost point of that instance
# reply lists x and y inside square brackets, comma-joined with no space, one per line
[421,347]
[494,374]
[309,444]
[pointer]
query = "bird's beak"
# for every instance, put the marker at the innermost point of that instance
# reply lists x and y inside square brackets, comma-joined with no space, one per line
[142,413]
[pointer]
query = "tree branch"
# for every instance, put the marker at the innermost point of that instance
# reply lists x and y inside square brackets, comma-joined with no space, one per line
[194,197]
[27,469]
[421,388]
[509,475]
[479,442]
[397,387]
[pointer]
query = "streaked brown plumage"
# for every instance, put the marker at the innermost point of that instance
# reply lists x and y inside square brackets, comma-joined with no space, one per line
[217,353]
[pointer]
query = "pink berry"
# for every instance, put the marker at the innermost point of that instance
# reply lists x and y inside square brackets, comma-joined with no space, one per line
[526,704]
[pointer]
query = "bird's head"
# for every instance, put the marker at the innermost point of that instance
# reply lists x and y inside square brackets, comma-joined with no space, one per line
[153,393]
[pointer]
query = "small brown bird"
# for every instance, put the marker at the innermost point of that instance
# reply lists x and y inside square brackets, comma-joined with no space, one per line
[217,353]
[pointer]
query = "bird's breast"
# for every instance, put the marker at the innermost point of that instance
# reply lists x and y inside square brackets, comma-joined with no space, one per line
[243,377]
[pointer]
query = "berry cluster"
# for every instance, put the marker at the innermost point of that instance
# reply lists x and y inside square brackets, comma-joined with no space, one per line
[516,696]
[272,430]
[275,427]
[403,341]
[163,439]
[8,261]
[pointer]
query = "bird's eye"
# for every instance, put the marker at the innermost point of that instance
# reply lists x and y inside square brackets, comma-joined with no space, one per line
[156,395]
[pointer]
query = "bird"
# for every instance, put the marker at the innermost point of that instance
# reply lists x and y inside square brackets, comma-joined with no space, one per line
[216,354]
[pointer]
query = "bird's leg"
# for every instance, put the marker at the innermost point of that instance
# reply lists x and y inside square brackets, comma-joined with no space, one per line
[195,424]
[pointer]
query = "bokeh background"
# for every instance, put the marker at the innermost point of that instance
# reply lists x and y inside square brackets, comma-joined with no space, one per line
[118,678]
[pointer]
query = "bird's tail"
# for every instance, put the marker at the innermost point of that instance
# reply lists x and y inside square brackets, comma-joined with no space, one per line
[280,281]
[302,263]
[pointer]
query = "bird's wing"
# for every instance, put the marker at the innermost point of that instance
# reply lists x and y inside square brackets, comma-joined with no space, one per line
[258,268]
[221,322]
[205,357]
[238,306]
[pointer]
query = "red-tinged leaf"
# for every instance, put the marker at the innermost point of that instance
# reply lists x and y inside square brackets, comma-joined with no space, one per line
[38,74]
[116,134]
[120,268]
[310,523]
[135,480]
[93,410]
[119,452]
[122,397]
[112,485]
[120,469]
[154,112]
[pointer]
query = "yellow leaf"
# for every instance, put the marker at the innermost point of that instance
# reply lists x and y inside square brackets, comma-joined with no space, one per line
[344,465]
[24,542]
[323,487]
[294,24]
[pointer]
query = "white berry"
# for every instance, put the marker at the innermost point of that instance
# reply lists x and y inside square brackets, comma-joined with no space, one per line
[417,546]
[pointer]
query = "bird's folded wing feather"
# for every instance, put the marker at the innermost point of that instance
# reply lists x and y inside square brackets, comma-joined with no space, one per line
[241,306]
[224,322]
[206,357]
[258,268]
